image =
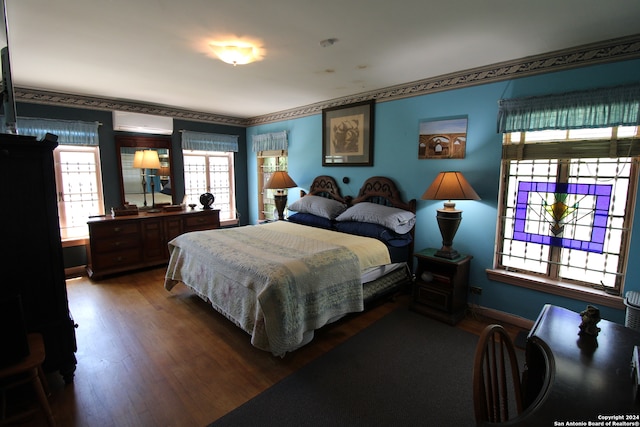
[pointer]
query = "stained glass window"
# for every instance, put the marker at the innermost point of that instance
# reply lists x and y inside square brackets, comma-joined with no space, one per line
[561,214]
[567,219]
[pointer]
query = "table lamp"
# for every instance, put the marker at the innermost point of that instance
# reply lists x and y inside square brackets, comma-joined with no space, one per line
[137,163]
[449,186]
[279,181]
[147,160]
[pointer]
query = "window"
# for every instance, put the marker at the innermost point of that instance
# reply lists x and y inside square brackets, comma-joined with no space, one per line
[211,172]
[271,150]
[268,162]
[567,205]
[208,168]
[567,192]
[77,170]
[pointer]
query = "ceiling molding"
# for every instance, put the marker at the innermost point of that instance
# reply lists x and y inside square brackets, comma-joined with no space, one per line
[619,49]
[36,96]
[602,52]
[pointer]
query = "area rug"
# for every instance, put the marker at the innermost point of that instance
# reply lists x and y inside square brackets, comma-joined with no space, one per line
[405,369]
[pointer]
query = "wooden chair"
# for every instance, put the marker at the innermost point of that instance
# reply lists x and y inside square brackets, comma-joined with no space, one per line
[29,370]
[494,392]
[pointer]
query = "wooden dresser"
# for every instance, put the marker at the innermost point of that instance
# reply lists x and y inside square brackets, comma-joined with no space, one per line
[125,243]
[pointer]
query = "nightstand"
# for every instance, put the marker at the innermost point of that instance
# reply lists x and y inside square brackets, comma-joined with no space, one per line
[441,285]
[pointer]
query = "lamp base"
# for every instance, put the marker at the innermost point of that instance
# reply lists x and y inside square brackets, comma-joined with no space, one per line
[281,203]
[448,253]
[448,222]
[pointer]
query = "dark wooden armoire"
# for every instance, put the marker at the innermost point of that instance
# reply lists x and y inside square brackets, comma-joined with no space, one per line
[31,265]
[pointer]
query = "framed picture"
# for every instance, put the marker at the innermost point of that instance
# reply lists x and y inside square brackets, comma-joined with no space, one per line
[347,135]
[443,138]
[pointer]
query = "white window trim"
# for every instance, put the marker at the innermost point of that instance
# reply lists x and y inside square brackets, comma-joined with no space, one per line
[564,289]
[77,240]
[232,197]
[559,287]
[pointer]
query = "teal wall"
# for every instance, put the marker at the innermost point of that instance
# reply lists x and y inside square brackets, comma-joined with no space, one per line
[109,157]
[74,256]
[395,156]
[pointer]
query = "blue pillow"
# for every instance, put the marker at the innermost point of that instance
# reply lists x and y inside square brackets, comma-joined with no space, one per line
[377,231]
[311,219]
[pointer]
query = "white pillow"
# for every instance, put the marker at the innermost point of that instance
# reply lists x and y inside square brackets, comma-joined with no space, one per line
[398,220]
[320,206]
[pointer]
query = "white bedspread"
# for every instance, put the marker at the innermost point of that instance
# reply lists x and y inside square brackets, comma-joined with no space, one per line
[278,281]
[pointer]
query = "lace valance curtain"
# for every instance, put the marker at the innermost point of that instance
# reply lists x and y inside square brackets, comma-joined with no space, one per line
[605,107]
[68,132]
[209,141]
[270,141]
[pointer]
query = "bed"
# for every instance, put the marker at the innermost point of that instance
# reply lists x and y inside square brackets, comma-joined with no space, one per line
[282,280]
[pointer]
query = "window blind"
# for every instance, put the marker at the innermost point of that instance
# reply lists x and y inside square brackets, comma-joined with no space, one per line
[68,132]
[604,107]
[200,141]
[270,141]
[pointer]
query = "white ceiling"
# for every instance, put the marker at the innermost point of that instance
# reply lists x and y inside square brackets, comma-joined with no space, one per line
[155,51]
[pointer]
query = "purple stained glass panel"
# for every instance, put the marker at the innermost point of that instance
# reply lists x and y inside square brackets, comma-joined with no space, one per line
[602,195]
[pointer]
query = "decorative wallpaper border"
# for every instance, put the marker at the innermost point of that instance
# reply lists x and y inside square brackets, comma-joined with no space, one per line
[606,51]
[94,103]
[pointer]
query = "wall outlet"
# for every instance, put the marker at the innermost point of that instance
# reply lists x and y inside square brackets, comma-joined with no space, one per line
[475,290]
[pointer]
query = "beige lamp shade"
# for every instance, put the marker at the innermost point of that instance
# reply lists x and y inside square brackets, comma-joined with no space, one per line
[150,159]
[137,159]
[279,180]
[450,185]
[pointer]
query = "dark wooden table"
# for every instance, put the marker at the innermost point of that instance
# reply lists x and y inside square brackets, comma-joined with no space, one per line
[575,379]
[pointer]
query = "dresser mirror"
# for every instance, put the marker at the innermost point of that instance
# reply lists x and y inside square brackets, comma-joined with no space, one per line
[140,185]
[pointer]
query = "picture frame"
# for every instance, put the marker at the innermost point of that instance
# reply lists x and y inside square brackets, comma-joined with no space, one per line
[443,138]
[347,134]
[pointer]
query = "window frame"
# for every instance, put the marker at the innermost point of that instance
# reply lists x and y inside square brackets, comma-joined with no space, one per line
[229,155]
[72,240]
[265,196]
[545,282]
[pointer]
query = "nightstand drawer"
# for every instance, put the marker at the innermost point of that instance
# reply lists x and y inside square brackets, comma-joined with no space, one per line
[432,297]
[441,279]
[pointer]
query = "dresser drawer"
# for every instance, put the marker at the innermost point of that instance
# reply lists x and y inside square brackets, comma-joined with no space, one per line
[117,243]
[117,259]
[201,222]
[110,230]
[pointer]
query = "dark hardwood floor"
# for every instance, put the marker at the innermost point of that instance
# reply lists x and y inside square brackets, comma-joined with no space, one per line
[148,357]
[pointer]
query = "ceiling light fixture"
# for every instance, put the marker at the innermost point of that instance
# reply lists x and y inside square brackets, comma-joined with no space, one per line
[235,53]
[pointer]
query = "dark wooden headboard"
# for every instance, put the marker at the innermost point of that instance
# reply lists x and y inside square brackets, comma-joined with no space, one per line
[326,186]
[383,191]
